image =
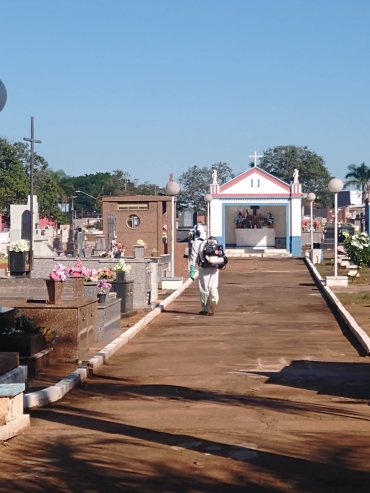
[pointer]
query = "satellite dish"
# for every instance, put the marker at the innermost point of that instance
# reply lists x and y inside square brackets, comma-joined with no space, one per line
[3,95]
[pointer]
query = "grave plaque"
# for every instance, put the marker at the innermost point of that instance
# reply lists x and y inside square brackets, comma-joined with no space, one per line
[187,219]
[26,225]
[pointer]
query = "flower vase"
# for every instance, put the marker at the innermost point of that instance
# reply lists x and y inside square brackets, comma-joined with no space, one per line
[117,255]
[102,297]
[55,291]
[78,286]
[120,276]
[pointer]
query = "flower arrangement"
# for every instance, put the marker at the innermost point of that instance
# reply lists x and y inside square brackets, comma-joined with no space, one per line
[59,273]
[20,246]
[104,286]
[304,223]
[342,250]
[316,223]
[105,273]
[93,277]
[78,270]
[141,243]
[118,248]
[358,248]
[122,267]
[49,334]
[154,250]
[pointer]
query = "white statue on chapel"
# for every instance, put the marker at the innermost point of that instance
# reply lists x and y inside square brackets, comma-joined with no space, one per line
[214,176]
[295,176]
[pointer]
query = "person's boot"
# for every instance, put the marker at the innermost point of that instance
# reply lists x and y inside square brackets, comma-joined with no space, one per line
[212,309]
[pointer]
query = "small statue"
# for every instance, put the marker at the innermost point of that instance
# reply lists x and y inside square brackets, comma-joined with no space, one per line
[295,176]
[214,177]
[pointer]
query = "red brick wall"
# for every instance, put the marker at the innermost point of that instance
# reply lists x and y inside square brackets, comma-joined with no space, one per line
[151,222]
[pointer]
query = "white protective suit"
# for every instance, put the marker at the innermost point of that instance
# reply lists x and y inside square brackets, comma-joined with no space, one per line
[208,276]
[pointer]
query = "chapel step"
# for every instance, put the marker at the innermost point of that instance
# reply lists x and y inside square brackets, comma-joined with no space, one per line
[256,252]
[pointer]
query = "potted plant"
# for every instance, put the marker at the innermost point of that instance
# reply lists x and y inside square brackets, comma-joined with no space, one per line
[105,273]
[19,256]
[93,276]
[121,269]
[26,337]
[357,247]
[77,274]
[118,249]
[154,252]
[55,283]
[104,288]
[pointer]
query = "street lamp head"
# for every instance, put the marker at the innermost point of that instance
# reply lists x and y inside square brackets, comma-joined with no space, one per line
[311,197]
[335,185]
[3,96]
[208,197]
[173,188]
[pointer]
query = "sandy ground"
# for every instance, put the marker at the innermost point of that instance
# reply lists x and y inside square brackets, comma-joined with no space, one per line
[269,395]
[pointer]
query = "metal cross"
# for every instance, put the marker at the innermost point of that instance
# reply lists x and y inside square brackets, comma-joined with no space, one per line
[255,158]
[33,142]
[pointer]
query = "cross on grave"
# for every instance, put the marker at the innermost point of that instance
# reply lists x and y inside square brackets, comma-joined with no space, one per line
[33,142]
[254,209]
[255,157]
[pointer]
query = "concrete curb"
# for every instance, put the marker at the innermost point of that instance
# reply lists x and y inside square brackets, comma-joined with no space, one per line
[351,323]
[57,391]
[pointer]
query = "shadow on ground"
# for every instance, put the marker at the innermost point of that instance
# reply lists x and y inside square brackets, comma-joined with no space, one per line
[116,460]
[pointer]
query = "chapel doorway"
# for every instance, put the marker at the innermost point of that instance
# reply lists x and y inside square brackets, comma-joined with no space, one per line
[256,226]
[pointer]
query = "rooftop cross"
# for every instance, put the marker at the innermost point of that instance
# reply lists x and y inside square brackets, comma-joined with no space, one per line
[255,157]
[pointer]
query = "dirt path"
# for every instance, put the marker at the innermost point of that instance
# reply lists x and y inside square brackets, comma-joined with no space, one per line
[267,396]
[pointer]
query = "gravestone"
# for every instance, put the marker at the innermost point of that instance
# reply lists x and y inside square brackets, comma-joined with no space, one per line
[112,224]
[99,245]
[187,220]
[20,221]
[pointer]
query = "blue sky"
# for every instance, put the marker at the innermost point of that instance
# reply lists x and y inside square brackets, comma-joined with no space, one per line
[153,87]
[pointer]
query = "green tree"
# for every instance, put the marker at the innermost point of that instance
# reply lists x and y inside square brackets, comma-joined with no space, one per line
[195,183]
[359,177]
[13,178]
[46,186]
[281,162]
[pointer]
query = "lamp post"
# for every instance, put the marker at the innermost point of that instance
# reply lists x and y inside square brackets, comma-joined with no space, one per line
[311,198]
[173,189]
[3,96]
[208,198]
[88,195]
[335,185]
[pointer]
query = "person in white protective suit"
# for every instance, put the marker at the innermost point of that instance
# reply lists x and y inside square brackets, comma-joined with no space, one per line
[208,276]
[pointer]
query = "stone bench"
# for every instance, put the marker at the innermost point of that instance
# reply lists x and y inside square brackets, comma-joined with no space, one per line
[12,419]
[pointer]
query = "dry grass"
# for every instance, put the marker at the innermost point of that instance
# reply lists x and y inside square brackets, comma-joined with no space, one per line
[326,268]
[359,298]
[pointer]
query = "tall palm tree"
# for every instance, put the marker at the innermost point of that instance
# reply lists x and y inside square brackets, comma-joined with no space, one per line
[359,177]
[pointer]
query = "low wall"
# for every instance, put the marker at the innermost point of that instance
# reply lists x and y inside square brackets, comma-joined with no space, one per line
[42,266]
